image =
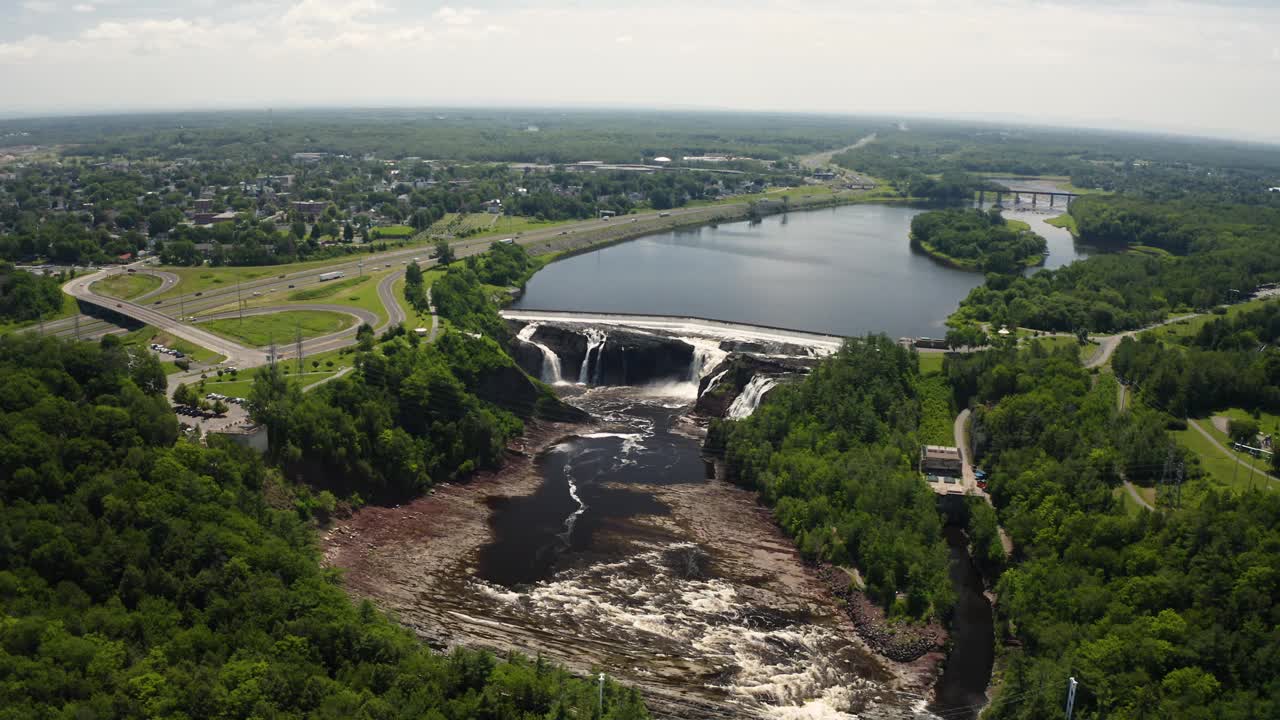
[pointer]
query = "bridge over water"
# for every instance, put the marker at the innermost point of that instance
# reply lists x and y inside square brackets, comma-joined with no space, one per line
[1018,193]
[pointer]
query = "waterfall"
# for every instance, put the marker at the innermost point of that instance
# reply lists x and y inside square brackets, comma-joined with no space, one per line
[595,341]
[747,402]
[706,356]
[599,373]
[715,380]
[550,361]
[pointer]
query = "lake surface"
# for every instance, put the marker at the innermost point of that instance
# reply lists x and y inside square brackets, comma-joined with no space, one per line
[847,270]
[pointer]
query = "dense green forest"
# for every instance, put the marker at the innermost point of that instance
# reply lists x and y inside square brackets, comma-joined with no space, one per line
[24,296]
[1169,614]
[977,240]
[1213,253]
[146,576]
[1158,167]
[410,415]
[466,134]
[1229,362]
[833,455]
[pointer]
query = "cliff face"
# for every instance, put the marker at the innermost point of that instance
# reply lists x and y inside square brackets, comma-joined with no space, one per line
[733,375]
[627,357]
[507,386]
[630,358]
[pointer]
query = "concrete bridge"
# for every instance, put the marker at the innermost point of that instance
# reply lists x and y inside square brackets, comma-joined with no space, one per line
[1018,194]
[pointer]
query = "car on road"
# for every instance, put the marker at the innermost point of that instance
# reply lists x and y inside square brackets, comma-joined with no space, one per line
[290,287]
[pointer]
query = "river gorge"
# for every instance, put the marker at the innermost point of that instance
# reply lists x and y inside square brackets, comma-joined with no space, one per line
[613,546]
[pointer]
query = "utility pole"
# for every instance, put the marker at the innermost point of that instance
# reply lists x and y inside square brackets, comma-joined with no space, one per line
[1071,696]
[272,357]
[182,307]
[600,698]
[1178,475]
[77,321]
[298,343]
[239,301]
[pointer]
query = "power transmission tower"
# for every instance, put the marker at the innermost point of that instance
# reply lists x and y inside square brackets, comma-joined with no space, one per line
[1071,696]
[1178,474]
[1166,473]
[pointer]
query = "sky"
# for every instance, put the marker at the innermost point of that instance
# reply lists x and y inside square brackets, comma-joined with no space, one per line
[1208,67]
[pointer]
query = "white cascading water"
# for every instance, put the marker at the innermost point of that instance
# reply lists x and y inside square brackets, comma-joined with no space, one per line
[595,343]
[747,402]
[550,360]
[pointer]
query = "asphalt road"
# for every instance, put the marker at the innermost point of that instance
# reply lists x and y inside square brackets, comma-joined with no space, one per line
[235,353]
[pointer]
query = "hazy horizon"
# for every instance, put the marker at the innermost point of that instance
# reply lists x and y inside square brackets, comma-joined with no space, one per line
[1186,68]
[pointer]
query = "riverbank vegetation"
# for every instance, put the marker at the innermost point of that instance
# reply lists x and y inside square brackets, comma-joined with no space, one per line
[1169,614]
[977,240]
[832,455]
[147,576]
[1217,253]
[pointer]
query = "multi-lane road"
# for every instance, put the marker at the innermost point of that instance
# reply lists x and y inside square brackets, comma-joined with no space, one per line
[172,314]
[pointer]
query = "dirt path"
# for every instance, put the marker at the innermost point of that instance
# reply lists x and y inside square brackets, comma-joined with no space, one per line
[1137,496]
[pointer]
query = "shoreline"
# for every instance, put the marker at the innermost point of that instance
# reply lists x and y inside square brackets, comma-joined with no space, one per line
[567,246]
[965,265]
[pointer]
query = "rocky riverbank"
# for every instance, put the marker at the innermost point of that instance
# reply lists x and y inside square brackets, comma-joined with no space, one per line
[898,642]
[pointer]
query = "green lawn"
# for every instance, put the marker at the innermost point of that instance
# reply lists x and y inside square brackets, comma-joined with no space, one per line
[281,327]
[937,422]
[240,387]
[125,286]
[394,232]
[1266,422]
[414,319]
[930,362]
[1189,327]
[1218,465]
[326,290]
[1065,222]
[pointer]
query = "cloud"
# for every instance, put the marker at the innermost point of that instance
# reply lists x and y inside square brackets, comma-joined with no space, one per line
[454,17]
[1144,63]
[83,8]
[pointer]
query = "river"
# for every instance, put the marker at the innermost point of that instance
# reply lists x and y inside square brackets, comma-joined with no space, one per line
[614,549]
[847,270]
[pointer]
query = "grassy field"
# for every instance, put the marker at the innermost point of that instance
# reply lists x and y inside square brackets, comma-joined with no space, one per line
[1189,327]
[1219,466]
[315,368]
[125,286]
[262,330]
[1149,250]
[1267,422]
[326,290]
[931,362]
[937,422]
[413,317]
[391,232]
[1065,222]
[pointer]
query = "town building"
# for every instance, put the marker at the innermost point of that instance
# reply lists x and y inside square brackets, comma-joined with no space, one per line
[940,460]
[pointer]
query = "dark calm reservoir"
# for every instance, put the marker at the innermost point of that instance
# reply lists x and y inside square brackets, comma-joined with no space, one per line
[844,271]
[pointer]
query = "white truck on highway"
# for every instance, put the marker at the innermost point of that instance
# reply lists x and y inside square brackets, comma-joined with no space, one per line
[331,275]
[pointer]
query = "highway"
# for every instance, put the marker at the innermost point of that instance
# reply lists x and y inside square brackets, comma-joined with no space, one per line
[236,354]
[173,314]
